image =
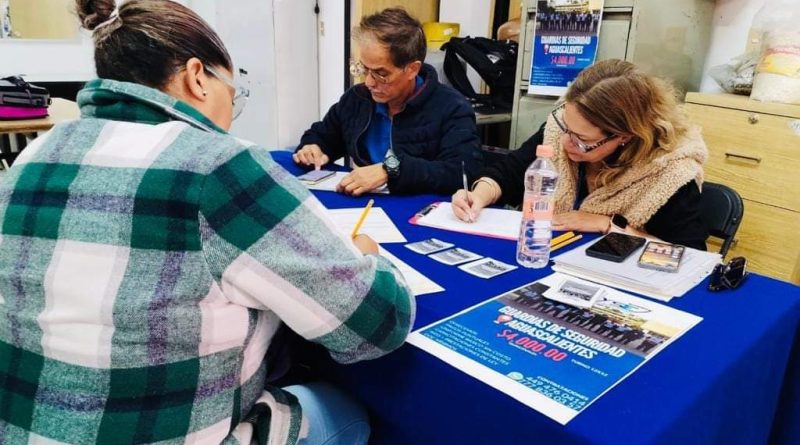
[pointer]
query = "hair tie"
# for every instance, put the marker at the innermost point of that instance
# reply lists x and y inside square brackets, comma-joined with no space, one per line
[111,18]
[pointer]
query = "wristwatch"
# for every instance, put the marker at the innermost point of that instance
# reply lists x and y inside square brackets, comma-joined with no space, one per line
[617,222]
[392,166]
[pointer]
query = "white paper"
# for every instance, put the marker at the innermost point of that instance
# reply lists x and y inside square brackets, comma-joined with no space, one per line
[455,256]
[487,268]
[329,184]
[427,246]
[378,225]
[496,223]
[575,292]
[627,275]
[419,284]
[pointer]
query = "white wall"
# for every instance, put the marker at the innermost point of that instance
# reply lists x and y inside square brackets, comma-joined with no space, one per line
[331,53]
[48,60]
[296,69]
[732,20]
[56,60]
[248,33]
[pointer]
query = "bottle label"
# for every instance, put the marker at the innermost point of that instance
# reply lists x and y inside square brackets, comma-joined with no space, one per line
[537,208]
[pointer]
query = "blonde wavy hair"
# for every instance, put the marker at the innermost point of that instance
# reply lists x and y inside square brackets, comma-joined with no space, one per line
[619,99]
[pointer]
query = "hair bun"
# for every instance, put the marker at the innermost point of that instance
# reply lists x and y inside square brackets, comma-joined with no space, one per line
[94,12]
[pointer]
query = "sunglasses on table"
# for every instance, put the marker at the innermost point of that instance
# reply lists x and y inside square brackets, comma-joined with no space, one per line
[728,276]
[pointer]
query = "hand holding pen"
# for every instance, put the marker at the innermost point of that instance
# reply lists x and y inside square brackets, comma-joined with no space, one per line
[364,243]
[470,216]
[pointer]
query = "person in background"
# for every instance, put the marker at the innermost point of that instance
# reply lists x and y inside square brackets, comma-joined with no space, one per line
[625,153]
[401,127]
[149,257]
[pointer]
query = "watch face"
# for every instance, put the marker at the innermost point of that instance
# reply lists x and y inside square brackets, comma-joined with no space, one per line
[392,162]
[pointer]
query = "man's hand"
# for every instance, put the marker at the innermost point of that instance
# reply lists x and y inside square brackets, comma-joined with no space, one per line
[311,155]
[363,179]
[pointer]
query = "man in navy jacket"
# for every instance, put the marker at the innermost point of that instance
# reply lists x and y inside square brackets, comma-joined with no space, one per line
[400,127]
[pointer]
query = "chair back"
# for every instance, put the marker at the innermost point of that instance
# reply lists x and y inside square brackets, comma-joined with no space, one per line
[722,212]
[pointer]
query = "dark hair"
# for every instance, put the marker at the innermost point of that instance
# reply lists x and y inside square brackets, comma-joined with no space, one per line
[149,41]
[396,29]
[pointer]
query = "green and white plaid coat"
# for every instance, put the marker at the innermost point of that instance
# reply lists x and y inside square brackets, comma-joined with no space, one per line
[146,260]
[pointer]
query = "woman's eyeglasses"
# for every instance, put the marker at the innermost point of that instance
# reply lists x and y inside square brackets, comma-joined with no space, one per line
[583,146]
[241,93]
[357,69]
[728,276]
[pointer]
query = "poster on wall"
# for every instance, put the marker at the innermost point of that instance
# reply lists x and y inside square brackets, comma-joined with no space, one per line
[552,356]
[564,43]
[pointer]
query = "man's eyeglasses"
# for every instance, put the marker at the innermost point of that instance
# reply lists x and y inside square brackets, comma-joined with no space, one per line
[583,146]
[241,93]
[357,69]
[728,276]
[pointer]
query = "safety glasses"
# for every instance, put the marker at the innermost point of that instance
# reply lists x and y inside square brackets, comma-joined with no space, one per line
[728,276]
[241,94]
[582,146]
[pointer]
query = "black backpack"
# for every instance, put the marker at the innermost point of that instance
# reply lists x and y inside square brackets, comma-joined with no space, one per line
[496,63]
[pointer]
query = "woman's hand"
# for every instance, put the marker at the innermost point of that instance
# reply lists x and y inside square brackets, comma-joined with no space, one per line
[581,222]
[365,244]
[467,205]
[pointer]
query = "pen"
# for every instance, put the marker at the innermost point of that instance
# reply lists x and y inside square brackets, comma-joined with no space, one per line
[362,218]
[561,238]
[466,188]
[566,243]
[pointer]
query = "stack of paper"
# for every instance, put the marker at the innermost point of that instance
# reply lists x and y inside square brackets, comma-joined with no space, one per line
[627,275]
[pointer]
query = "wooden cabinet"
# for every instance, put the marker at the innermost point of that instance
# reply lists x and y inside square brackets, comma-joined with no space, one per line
[754,147]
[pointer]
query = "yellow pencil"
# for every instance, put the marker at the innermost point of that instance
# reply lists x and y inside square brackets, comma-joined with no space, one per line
[362,218]
[566,243]
[561,238]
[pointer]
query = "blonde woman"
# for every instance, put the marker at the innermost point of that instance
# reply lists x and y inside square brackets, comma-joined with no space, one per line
[628,160]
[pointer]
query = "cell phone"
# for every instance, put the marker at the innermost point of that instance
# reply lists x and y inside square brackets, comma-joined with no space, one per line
[315,176]
[661,256]
[615,247]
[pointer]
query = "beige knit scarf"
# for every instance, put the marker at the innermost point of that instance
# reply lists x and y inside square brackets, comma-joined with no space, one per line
[641,190]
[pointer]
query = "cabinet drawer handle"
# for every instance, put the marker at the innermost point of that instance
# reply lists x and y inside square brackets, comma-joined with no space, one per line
[747,158]
[753,119]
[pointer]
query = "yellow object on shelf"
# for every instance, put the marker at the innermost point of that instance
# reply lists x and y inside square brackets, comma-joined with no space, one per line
[438,33]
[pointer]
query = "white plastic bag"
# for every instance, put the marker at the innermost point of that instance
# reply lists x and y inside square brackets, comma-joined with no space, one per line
[777,76]
[737,76]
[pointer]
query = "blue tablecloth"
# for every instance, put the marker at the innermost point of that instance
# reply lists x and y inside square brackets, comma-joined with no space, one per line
[733,379]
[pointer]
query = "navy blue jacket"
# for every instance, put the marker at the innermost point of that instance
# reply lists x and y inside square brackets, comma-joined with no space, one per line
[432,136]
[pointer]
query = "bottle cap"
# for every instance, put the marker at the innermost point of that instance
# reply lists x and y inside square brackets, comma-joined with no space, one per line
[544,150]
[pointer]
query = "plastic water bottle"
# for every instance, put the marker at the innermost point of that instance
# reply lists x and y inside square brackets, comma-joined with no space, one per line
[535,232]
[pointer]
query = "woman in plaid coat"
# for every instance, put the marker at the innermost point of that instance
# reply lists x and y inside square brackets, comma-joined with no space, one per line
[147,259]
